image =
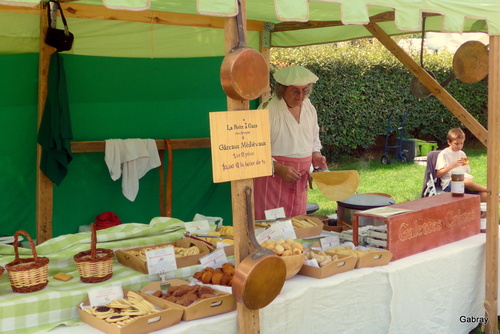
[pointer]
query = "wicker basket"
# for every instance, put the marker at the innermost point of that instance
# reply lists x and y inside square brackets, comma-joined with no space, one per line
[27,275]
[94,265]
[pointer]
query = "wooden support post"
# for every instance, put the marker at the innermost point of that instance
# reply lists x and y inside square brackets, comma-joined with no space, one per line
[430,83]
[44,187]
[491,298]
[248,320]
[265,49]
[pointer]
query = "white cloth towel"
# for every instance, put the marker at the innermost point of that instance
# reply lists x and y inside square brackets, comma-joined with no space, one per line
[131,159]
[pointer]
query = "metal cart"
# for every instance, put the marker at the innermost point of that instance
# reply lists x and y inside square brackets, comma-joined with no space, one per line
[401,154]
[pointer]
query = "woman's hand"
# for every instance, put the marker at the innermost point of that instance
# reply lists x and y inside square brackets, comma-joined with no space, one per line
[319,161]
[287,173]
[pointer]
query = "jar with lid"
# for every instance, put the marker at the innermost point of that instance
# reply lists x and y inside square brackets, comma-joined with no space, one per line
[484,209]
[457,183]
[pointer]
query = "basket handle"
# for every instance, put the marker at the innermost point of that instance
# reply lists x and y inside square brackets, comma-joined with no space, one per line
[93,241]
[32,244]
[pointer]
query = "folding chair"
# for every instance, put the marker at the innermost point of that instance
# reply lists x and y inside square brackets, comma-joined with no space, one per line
[432,184]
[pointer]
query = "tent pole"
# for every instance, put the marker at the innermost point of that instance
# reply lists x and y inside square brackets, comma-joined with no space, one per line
[44,188]
[248,320]
[265,50]
[491,253]
[430,83]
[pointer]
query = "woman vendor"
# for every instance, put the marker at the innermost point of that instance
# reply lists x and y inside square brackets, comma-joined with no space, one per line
[295,144]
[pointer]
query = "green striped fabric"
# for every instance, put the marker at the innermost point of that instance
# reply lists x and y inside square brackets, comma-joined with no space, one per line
[57,303]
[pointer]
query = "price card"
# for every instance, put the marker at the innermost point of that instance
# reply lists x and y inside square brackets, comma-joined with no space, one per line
[102,295]
[221,244]
[161,260]
[285,227]
[214,259]
[240,144]
[280,230]
[199,227]
[312,263]
[275,213]
[268,234]
[330,242]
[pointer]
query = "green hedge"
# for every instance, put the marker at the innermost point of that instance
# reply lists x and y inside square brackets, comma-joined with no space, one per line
[361,83]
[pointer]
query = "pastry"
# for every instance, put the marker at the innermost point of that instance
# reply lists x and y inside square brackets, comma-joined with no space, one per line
[63,277]
[207,277]
[216,277]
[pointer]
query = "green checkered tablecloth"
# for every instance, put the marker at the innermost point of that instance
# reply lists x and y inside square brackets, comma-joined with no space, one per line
[57,303]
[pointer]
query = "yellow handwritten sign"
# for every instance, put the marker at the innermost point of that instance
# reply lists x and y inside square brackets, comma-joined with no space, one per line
[241,144]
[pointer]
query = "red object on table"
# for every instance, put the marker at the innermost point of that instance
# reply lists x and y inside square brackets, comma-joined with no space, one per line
[431,222]
[106,219]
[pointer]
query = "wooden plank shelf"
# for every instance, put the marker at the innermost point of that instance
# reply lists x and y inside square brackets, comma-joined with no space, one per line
[177,144]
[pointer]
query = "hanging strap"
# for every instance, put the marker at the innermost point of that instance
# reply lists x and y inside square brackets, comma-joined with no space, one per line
[58,6]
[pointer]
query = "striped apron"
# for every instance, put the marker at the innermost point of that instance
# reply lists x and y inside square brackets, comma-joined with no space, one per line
[271,192]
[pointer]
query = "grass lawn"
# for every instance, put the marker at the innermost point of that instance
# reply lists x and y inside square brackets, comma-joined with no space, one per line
[403,181]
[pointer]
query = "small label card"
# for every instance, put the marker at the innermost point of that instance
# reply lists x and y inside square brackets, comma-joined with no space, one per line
[214,259]
[286,228]
[330,242]
[312,263]
[161,260]
[268,234]
[199,227]
[102,295]
[222,244]
[275,213]
[280,230]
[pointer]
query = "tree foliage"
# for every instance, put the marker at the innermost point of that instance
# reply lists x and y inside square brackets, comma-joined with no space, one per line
[362,83]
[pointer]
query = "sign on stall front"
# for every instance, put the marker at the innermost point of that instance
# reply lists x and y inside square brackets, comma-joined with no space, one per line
[241,144]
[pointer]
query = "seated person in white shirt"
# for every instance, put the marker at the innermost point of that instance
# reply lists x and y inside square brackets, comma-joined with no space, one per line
[453,157]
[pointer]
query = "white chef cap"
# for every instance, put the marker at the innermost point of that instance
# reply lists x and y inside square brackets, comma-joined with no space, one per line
[295,75]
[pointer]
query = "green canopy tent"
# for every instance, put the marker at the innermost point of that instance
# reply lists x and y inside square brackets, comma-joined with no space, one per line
[180,29]
[195,35]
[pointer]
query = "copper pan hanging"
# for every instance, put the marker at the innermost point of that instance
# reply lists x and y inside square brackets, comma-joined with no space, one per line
[260,277]
[470,65]
[470,62]
[244,72]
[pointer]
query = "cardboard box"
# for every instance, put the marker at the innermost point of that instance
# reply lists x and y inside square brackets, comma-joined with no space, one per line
[222,303]
[429,222]
[374,259]
[229,250]
[324,218]
[168,316]
[343,264]
[308,232]
[129,260]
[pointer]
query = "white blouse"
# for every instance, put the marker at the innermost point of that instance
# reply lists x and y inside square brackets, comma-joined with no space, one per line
[290,138]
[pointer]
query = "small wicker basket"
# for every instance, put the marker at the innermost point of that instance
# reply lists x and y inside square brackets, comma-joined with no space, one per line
[94,265]
[30,274]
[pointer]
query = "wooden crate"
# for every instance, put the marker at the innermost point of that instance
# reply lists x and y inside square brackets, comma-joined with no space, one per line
[433,221]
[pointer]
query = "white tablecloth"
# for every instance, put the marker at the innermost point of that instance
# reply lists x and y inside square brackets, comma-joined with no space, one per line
[424,293]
